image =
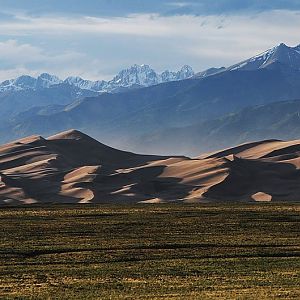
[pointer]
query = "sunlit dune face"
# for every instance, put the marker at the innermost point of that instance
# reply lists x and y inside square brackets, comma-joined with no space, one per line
[262,197]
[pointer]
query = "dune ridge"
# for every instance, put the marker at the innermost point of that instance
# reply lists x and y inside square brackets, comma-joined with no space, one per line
[72,167]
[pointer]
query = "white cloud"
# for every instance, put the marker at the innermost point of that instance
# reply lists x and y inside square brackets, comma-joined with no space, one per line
[138,25]
[271,22]
[163,41]
[17,59]
[179,4]
[11,51]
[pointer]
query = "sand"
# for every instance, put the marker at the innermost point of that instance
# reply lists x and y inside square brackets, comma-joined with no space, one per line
[71,167]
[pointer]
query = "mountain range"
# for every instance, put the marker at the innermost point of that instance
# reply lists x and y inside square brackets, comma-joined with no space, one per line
[219,107]
[26,92]
[135,76]
[71,167]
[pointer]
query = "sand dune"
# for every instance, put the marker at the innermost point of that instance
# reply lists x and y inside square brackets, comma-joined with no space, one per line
[71,167]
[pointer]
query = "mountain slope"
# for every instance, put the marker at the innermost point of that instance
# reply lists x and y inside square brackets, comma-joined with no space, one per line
[14,102]
[281,56]
[119,118]
[280,120]
[71,167]
[26,92]
[112,117]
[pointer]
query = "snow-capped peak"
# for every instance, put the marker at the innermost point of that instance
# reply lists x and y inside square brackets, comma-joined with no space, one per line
[141,75]
[144,75]
[26,82]
[78,81]
[282,55]
[136,75]
[185,72]
[46,80]
[85,84]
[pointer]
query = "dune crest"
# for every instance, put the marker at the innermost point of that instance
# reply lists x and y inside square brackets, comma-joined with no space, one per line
[71,167]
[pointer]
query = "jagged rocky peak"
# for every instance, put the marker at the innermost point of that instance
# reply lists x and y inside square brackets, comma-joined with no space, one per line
[79,82]
[84,84]
[73,80]
[144,75]
[186,72]
[136,75]
[168,76]
[46,80]
[24,82]
[49,77]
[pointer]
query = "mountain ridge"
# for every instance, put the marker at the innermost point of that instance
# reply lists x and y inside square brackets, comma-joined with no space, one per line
[276,120]
[118,118]
[282,54]
[136,75]
[145,76]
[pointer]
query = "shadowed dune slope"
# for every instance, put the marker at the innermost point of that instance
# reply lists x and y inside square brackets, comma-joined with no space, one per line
[71,167]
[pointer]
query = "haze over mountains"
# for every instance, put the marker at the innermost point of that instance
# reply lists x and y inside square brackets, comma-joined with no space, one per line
[170,114]
[71,167]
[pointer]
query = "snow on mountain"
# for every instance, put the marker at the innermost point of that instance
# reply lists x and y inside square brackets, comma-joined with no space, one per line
[145,76]
[185,72]
[46,80]
[168,76]
[281,55]
[26,82]
[85,84]
[136,75]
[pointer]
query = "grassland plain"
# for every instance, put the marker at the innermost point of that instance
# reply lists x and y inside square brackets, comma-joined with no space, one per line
[224,251]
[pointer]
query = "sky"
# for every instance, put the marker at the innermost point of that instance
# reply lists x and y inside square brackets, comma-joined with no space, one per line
[95,39]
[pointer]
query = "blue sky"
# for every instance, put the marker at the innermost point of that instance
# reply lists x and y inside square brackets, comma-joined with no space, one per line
[96,38]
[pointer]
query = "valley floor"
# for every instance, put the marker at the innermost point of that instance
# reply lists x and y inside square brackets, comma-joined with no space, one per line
[224,251]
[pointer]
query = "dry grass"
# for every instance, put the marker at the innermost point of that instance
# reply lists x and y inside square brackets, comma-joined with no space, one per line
[151,252]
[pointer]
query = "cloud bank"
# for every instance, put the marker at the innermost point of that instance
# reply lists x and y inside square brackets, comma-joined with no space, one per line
[97,47]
